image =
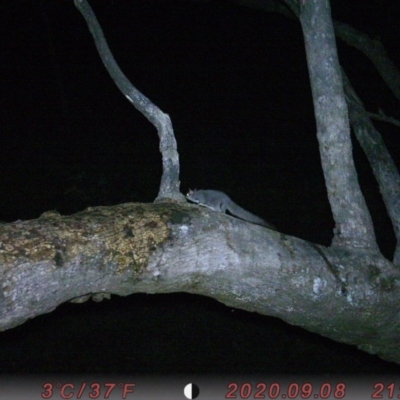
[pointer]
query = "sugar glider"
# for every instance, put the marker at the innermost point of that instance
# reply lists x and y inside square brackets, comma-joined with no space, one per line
[219,201]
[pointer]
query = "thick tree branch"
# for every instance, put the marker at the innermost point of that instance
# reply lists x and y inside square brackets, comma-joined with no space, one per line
[346,293]
[165,247]
[370,139]
[169,186]
[353,222]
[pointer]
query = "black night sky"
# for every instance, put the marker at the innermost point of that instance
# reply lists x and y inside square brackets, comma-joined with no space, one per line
[234,81]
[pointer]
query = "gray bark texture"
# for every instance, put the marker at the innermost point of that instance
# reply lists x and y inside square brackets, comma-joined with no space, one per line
[169,185]
[348,292]
[353,221]
[351,296]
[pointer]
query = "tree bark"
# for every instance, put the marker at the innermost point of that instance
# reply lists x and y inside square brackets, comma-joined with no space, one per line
[169,185]
[347,292]
[381,162]
[351,296]
[353,222]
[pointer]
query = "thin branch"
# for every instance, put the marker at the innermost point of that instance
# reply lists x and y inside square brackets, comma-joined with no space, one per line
[381,162]
[381,116]
[169,186]
[375,51]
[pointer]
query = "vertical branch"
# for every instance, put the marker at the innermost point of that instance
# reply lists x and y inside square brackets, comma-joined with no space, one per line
[381,162]
[169,186]
[353,222]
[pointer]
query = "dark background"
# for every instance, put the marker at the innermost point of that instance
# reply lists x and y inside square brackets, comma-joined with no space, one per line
[234,81]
